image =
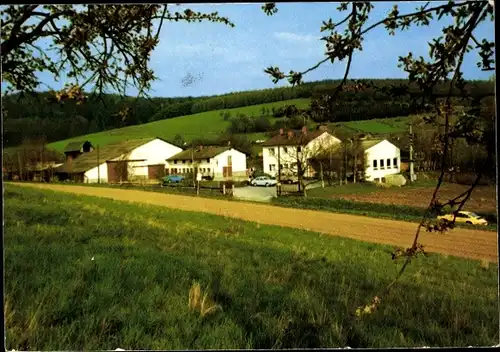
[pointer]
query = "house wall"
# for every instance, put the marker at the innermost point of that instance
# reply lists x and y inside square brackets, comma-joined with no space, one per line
[238,161]
[384,150]
[154,152]
[288,154]
[92,175]
[215,165]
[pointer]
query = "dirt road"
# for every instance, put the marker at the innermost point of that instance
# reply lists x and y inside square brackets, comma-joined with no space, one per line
[474,244]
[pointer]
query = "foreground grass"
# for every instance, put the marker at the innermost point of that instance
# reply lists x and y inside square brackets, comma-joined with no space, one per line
[202,125]
[91,273]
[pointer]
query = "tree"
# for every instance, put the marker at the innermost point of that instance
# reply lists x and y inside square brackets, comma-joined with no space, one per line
[443,69]
[106,45]
[178,140]
[32,155]
[301,154]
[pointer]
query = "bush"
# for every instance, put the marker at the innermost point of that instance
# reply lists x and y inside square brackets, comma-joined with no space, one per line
[469,178]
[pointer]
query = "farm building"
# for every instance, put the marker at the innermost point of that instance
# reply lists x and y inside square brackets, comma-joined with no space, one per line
[119,162]
[288,148]
[374,158]
[211,161]
[382,157]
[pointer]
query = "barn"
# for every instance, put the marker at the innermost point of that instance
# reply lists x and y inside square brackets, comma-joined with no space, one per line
[124,161]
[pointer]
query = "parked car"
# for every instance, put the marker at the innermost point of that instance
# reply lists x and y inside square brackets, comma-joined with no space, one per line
[467,217]
[289,178]
[173,179]
[265,181]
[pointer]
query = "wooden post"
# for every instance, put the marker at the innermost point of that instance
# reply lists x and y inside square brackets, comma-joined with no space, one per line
[198,188]
[278,188]
[98,166]
[412,173]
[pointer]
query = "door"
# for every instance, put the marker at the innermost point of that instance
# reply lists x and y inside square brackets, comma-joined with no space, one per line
[117,171]
[227,171]
[156,172]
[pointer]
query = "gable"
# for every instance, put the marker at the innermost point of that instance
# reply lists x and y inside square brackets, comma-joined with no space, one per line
[381,146]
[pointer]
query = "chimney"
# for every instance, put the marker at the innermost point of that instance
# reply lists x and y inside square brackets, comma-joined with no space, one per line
[304,130]
[69,161]
[281,131]
[201,147]
[290,134]
[228,143]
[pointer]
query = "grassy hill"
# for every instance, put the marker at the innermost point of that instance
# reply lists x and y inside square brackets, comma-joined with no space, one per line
[203,125]
[211,125]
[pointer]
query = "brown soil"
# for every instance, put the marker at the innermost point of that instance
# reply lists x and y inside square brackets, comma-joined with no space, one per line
[475,244]
[483,198]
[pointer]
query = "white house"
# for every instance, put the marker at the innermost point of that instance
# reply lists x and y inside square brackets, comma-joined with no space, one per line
[382,158]
[213,161]
[290,147]
[122,161]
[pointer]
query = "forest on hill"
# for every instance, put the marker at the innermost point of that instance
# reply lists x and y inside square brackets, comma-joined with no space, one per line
[34,116]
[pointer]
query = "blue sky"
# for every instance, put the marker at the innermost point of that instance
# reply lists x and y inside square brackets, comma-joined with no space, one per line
[221,59]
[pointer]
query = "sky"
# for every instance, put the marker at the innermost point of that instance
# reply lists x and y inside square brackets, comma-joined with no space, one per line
[197,59]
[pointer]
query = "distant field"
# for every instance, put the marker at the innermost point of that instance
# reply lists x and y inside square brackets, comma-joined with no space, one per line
[389,125]
[483,198]
[206,124]
[87,273]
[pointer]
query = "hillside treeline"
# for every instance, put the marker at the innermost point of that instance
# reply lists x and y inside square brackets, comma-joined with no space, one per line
[34,116]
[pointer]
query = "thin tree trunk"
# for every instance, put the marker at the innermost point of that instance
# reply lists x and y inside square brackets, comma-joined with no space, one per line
[321,171]
[20,166]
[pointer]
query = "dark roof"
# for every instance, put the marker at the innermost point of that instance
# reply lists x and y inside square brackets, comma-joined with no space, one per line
[206,152]
[334,152]
[368,143]
[88,161]
[298,138]
[74,146]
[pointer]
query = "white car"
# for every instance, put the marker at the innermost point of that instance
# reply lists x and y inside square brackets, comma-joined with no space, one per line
[467,217]
[263,181]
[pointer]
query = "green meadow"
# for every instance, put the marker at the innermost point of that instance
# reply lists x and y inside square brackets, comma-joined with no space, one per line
[87,273]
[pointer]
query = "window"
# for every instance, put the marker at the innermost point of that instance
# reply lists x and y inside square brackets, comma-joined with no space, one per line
[271,151]
[175,161]
[272,167]
[299,149]
[395,163]
[208,169]
[183,161]
[388,163]
[286,166]
[208,160]
[382,163]
[375,167]
[285,149]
